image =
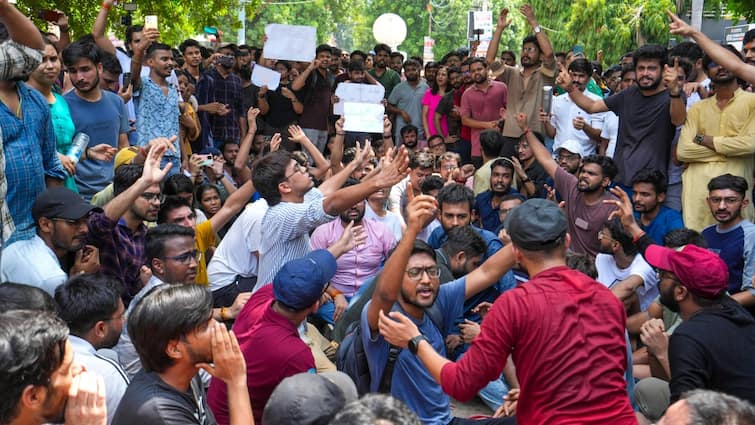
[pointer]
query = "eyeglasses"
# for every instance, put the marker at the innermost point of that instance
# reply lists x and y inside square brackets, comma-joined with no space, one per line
[663,274]
[437,145]
[299,169]
[149,197]
[415,273]
[186,257]
[569,157]
[83,221]
[529,49]
[730,200]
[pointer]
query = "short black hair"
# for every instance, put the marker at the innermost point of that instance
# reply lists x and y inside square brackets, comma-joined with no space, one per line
[125,177]
[626,69]
[749,36]
[508,52]
[130,30]
[408,128]
[178,183]
[170,203]
[111,64]
[205,187]
[728,181]
[431,183]
[270,171]
[453,70]
[323,48]
[189,42]
[17,296]
[455,193]
[81,49]
[156,236]
[621,235]
[376,408]
[356,65]
[478,60]
[684,63]
[491,142]
[650,52]
[381,47]
[533,40]
[87,299]
[581,65]
[411,63]
[357,53]
[607,166]
[168,313]
[32,348]
[580,262]
[466,239]
[503,162]
[679,237]
[155,47]
[653,177]
[687,49]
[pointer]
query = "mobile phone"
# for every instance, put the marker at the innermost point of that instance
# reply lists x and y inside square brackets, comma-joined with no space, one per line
[267,139]
[126,79]
[150,21]
[211,30]
[208,161]
[49,15]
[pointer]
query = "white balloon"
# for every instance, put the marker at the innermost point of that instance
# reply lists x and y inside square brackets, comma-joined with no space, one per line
[390,29]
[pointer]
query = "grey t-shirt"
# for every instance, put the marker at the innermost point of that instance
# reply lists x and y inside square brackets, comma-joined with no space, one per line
[409,99]
[645,132]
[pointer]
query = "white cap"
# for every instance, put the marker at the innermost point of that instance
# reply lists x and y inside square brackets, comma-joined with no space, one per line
[572,146]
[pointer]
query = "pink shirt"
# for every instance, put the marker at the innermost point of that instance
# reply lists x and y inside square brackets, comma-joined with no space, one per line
[483,105]
[361,262]
[431,101]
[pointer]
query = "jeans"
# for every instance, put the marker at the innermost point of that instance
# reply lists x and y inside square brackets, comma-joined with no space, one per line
[327,310]
[318,137]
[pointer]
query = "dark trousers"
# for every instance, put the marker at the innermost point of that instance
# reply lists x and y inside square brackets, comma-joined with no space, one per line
[491,421]
[225,296]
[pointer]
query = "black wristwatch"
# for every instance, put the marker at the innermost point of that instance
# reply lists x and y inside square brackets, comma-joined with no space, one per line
[414,343]
[699,139]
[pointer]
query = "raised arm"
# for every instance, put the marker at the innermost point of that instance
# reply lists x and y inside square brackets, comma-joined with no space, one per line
[588,105]
[490,271]
[301,80]
[719,55]
[502,24]
[235,202]
[151,174]
[321,165]
[20,28]
[542,155]
[100,24]
[388,283]
[149,36]
[546,50]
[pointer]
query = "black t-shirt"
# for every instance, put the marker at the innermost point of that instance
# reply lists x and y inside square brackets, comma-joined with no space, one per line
[281,109]
[150,401]
[315,95]
[445,107]
[713,350]
[645,132]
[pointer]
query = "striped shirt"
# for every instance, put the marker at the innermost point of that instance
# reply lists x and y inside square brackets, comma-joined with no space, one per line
[285,233]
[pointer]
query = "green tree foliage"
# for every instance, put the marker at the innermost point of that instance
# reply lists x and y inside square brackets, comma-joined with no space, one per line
[177,19]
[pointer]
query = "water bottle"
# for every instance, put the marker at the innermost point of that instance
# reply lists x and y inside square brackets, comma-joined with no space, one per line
[547,98]
[80,142]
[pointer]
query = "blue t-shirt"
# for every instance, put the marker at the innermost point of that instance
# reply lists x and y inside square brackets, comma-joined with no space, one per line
[103,121]
[666,221]
[412,383]
[489,215]
[735,247]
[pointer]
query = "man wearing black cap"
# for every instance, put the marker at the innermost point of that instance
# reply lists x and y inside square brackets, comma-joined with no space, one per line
[59,247]
[564,331]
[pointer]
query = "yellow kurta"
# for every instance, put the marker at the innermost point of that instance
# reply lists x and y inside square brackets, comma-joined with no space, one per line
[733,131]
[205,238]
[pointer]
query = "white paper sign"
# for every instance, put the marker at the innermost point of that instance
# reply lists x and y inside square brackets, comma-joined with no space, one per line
[357,93]
[262,76]
[363,117]
[290,42]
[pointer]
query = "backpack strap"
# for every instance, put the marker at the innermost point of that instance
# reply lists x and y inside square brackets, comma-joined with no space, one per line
[436,316]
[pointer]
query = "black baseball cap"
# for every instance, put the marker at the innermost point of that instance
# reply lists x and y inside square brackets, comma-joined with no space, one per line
[535,224]
[59,202]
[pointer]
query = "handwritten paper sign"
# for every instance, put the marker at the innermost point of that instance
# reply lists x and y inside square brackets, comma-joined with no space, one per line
[363,117]
[357,93]
[290,42]
[262,76]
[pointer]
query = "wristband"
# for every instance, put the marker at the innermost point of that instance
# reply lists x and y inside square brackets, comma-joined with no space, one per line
[386,136]
[222,314]
[678,95]
[637,238]
[340,134]
[106,6]
[335,292]
[526,180]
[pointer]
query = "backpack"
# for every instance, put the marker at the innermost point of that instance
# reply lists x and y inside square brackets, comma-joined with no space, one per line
[351,357]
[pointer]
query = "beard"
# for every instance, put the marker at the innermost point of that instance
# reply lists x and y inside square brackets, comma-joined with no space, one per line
[589,188]
[668,300]
[652,85]
[416,302]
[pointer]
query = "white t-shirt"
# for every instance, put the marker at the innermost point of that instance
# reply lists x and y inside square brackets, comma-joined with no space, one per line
[610,131]
[391,220]
[609,274]
[564,110]
[33,263]
[235,254]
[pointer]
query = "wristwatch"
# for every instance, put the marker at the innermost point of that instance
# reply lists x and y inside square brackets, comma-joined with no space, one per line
[414,343]
[537,29]
[699,139]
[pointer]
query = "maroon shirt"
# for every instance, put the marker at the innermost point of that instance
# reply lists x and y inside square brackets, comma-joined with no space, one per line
[272,349]
[565,332]
[483,105]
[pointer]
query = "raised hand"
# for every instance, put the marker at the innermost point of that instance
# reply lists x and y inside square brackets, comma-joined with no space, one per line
[503,19]
[228,362]
[387,125]
[529,14]
[671,77]
[152,172]
[564,79]
[521,120]
[275,142]
[394,168]
[101,152]
[251,114]
[420,209]
[86,400]
[296,134]
[339,126]
[396,328]
[678,26]
[624,210]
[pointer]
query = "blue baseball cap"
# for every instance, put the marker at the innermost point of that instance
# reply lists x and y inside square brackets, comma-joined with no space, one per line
[300,282]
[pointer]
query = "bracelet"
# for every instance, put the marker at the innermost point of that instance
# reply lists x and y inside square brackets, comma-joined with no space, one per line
[387,136]
[526,180]
[526,132]
[335,292]
[106,6]
[637,238]
[340,134]
[678,95]
[222,314]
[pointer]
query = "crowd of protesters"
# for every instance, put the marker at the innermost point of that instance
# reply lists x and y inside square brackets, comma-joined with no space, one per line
[569,240]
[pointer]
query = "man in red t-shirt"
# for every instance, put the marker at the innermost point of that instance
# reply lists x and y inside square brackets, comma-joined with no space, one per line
[268,334]
[564,331]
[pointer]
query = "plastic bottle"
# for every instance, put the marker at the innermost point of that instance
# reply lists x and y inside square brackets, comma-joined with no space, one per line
[80,142]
